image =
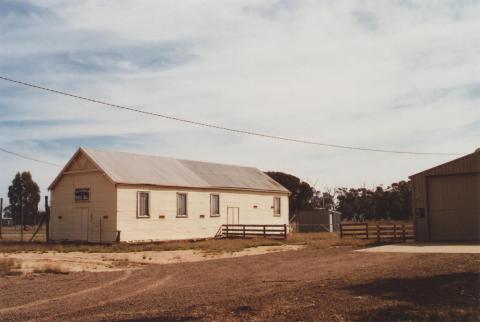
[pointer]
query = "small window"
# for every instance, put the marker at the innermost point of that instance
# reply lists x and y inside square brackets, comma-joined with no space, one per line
[276,206]
[82,194]
[143,204]
[182,205]
[214,205]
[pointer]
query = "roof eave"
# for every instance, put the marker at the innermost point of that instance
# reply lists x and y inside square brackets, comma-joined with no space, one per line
[80,150]
[203,188]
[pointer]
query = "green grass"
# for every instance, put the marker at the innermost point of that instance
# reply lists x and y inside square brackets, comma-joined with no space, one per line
[309,240]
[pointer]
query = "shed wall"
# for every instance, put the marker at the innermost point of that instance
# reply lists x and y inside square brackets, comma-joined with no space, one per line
[163,202]
[468,165]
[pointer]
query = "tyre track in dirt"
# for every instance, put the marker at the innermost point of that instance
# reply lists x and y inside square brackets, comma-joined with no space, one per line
[73,305]
[125,276]
[68,315]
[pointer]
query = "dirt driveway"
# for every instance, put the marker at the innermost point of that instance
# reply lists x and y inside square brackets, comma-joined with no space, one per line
[309,285]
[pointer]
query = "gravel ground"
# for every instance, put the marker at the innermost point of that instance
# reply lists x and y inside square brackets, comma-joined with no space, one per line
[306,285]
[426,248]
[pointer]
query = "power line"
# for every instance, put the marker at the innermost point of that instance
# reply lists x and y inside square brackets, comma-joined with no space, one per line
[30,158]
[219,127]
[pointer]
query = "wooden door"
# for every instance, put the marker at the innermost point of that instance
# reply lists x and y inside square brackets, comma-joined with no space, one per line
[83,224]
[233,215]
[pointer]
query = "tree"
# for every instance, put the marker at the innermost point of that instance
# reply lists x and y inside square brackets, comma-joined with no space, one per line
[301,192]
[394,202]
[24,196]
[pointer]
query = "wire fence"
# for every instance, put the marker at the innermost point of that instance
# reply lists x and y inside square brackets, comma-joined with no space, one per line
[14,233]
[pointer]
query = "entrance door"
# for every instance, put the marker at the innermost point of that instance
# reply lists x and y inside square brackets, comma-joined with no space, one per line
[83,212]
[233,215]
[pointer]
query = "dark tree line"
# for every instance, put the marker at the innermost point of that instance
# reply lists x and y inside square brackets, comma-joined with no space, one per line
[301,192]
[393,202]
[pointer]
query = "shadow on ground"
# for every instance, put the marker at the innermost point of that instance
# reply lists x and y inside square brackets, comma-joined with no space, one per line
[448,297]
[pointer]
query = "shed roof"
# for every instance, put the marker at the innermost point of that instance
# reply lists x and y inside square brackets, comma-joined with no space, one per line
[139,169]
[469,163]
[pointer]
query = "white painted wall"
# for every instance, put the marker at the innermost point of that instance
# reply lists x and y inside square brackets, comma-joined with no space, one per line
[114,208]
[163,203]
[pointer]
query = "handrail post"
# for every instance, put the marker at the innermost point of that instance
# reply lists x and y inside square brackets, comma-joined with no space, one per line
[394,232]
[403,233]
[244,231]
[264,232]
[366,228]
[378,233]
[285,231]
[341,230]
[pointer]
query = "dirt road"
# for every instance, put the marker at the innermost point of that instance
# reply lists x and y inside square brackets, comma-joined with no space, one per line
[308,285]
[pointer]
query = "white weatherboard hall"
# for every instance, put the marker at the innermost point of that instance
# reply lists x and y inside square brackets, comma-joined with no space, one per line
[104,196]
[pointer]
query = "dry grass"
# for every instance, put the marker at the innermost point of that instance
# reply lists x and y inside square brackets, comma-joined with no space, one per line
[120,263]
[9,266]
[312,240]
[50,269]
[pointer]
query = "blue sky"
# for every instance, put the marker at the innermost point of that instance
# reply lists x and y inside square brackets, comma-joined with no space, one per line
[395,75]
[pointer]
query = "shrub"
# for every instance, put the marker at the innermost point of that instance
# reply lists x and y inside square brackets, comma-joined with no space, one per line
[50,269]
[8,266]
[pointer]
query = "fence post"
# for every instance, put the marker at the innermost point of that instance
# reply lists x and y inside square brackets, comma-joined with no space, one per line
[228,235]
[378,233]
[285,231]
[47,220]
[403,233]
[264,232]
[341,230]
[394,232]
[366,228]
[243,231]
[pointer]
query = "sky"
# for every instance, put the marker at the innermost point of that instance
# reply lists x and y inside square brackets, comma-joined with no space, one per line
[399,75]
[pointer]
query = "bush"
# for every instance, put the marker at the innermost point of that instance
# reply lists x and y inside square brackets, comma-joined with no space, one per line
[8,266]
[50,269]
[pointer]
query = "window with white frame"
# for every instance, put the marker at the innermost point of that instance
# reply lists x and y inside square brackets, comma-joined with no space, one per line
[276,206]
[143,204]
[214,205]
[182,205]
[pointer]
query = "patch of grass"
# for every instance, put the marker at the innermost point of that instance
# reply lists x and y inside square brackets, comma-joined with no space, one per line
[120,263]
[8,267]
[210,246]
[50,269]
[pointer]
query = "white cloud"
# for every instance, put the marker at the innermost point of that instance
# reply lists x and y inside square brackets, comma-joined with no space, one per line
[395,75]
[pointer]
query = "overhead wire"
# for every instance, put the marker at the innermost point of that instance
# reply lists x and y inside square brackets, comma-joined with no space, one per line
[220,127]
[29,158]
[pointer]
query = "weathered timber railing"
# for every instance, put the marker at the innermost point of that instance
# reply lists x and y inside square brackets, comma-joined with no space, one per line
[254,231]
[364,230]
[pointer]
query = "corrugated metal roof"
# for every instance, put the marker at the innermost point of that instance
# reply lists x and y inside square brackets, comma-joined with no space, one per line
[469,163]
[131,168]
